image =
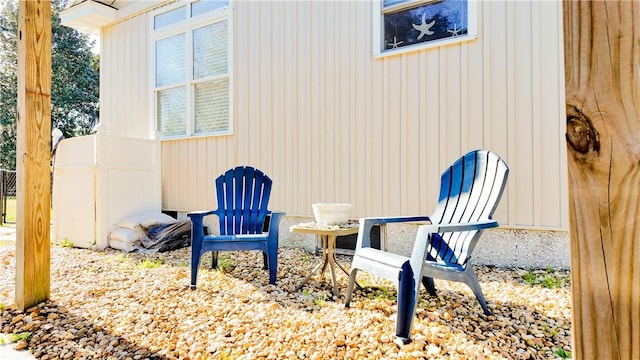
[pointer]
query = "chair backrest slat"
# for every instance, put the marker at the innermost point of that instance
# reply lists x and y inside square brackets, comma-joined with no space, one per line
[243,199]
[470,190]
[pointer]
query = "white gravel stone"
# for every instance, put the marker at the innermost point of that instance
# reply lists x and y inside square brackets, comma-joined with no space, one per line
[108,305]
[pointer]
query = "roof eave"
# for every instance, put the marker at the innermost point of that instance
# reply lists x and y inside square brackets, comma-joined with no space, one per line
[88,16]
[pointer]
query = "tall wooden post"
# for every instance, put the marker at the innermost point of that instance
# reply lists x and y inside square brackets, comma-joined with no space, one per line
[33,153]
[602,73]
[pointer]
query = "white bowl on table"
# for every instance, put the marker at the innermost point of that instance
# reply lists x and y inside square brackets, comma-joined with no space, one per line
[331,213]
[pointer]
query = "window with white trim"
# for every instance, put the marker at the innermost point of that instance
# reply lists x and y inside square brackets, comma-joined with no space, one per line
[192,73]
[407,25]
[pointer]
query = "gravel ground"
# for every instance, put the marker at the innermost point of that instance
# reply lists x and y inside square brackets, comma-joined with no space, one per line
[112,305]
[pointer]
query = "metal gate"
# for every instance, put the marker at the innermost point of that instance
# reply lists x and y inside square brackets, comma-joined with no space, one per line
[8,195]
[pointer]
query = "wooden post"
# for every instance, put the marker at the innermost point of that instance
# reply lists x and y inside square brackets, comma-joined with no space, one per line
[33,153]
[602,73]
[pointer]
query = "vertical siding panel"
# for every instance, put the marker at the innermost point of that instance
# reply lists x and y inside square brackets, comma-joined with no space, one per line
[243,57]
[324,111]
[474,86]
[288,167]
[463,105]
[387,103]
[412,151]
[441,85]
[499,97]
[451,85]
[125,72]
[510,112]
[536,121]
[551,148]
[400,123]
[246,106]
[106,86]
[392,177]
[199,158]
[433,128]
[260,131]
[376,157]
[426,155]
[314,164]
[344,133]
[331,93]
[276,94]
[302,197]
[521,113]
[122,76]
[449,112]
[141,88]
[189,161]
[359,68]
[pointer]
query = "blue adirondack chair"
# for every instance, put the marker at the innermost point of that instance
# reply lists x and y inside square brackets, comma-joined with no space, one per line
[245,221]
[470,190]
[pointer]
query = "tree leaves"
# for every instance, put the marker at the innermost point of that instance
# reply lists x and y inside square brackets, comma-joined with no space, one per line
[75,79]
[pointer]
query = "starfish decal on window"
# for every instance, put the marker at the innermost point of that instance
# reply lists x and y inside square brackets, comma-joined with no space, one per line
[395,43]
[455,32]
[424,28]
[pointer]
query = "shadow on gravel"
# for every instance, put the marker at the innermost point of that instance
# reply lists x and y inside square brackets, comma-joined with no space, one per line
[58,334]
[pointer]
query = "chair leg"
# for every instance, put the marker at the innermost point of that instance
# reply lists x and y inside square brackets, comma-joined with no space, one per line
[429,285]
[195,264]
[265,260]
[406,304]
[214,259]
[472,282]
[271,263]
[352,281]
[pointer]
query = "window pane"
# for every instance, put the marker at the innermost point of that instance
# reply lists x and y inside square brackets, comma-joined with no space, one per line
[212,106]
[170,60]
[169,18]
[429,22]
[172,111]
[210,50]
[203,6]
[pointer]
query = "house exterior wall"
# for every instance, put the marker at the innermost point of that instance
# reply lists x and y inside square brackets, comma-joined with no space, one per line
[330,123]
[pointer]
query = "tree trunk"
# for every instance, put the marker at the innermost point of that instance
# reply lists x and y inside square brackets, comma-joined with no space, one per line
[602,73]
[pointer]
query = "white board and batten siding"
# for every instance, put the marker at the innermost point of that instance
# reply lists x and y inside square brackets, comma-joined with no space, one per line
[329,122]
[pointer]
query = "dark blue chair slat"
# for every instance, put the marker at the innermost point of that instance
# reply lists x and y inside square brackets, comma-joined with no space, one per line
[242,194]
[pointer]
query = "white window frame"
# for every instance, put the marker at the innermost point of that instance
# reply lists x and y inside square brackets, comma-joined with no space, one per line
[187,26]
[378,28]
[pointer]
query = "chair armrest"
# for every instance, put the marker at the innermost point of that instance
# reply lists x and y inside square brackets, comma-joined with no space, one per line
[393,219]
[201,213]
[274,222]
[367,223]
[197,222]
[478,225]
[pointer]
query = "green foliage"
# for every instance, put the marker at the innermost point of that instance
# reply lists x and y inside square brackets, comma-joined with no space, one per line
[383,294]
[149,264]
[65,243]
[224,262]
[14,337]
[318,301]
[563,354]
[74,86]
[545,279]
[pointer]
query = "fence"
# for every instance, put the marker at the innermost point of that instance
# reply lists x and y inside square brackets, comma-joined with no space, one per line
[8,195]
